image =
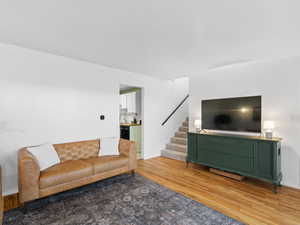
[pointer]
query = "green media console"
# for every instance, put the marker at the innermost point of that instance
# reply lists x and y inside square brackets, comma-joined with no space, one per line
[249,156]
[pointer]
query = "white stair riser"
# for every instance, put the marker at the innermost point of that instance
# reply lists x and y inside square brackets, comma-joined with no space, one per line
[181,141]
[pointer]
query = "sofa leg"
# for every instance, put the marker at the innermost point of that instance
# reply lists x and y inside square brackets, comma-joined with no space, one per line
[132,172]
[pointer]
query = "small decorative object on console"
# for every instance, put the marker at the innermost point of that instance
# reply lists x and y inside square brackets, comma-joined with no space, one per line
[197,124]
[268,127]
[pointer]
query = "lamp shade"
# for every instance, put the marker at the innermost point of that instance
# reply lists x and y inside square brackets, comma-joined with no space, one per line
[269,125]
[197,124]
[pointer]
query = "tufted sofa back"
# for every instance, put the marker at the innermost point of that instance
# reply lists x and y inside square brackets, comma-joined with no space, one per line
[77,150]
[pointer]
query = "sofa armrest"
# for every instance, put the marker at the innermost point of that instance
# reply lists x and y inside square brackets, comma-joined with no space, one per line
[29,175]
[128,148]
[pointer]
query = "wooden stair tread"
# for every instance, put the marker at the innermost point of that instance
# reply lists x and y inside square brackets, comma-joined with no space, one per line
[175,152]
[180,138]
[177,145]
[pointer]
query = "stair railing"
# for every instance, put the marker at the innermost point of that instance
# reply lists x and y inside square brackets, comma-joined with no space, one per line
[173,112]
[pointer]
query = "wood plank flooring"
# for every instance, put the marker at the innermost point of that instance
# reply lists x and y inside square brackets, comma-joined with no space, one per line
[249,201]
[11,202]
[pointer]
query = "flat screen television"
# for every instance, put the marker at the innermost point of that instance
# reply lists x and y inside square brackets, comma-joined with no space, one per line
[232,114]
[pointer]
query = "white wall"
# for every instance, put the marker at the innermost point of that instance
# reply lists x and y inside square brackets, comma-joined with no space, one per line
[48,98]
[278,82]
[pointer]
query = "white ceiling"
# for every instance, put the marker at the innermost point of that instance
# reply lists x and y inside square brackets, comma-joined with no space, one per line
[163,38]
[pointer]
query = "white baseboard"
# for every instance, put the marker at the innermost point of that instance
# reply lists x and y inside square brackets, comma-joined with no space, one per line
[10,192]
[151,156]
[291,185]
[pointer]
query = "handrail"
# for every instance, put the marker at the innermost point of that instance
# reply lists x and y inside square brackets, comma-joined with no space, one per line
[172,113]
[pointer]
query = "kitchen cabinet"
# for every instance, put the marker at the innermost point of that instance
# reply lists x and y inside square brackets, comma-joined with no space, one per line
[136,136]
[133,133]
[128,101]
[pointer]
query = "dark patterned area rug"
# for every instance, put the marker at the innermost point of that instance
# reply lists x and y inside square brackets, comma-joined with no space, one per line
[121,200]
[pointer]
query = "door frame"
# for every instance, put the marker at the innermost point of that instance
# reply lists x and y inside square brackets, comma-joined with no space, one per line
[142,116]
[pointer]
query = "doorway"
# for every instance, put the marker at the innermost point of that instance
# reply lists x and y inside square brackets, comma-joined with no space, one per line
[131,116]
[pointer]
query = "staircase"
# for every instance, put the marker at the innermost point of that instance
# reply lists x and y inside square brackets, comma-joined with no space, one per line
[177,148]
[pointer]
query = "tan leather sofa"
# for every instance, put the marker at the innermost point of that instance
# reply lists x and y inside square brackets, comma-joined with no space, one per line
[79,165]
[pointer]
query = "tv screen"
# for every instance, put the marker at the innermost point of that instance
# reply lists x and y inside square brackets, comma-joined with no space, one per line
[232,114]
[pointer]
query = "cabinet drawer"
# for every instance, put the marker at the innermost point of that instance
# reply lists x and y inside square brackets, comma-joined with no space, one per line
[231,162]
[237,147]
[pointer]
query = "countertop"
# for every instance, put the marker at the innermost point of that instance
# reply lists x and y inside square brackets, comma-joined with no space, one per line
[274,139]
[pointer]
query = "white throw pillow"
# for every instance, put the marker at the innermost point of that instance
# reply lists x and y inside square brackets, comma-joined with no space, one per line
[45,155]
[109,146]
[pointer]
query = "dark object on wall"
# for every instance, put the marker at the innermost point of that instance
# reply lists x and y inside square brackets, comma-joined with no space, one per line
[250,156]
[102,117]
[232,114]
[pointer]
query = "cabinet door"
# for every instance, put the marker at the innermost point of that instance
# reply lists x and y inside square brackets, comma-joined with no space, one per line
[136,136]
[131,102]
[123,101]
[192,148]
[264,160]
[128,101]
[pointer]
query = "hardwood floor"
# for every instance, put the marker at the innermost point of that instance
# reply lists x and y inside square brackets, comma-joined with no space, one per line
[249,201]
[11,202]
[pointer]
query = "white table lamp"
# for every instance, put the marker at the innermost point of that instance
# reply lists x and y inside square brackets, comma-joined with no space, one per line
[197,124]
[268,128]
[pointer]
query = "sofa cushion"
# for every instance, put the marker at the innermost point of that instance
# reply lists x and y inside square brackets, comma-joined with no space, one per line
[109,146]
[77,150]
[106,163]
[45,155]
[65,172]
